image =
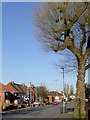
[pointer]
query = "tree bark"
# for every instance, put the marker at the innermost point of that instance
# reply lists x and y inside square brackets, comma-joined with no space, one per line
[80,94]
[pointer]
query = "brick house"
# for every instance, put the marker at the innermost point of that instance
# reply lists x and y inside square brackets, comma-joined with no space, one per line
[21,88]
[57,96]
[7,95]
[33,93]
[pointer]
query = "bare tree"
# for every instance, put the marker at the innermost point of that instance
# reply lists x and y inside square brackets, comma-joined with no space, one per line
[71,90]
[63,27]
[42,91]
[67,89]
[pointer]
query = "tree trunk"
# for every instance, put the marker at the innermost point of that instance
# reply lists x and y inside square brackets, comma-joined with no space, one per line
[80,94]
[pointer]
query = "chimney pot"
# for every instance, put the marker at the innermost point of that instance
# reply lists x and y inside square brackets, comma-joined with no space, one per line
[23,84]
[12,82]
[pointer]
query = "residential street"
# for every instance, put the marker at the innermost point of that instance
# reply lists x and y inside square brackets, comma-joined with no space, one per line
[49,111]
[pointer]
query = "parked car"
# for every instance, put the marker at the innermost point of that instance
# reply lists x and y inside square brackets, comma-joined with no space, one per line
[86,100]
[55,103]
[36,103]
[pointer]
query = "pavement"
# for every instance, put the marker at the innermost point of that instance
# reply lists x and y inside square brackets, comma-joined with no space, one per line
[69,111]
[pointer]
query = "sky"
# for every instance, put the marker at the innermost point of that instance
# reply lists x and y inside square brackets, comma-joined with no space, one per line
[23,59]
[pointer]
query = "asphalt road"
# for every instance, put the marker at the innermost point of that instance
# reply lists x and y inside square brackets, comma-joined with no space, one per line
[49,111]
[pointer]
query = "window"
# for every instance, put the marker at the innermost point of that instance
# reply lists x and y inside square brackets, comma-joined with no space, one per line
[15,94]
[6,94]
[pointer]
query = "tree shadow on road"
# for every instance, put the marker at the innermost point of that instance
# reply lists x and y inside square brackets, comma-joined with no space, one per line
[70,109]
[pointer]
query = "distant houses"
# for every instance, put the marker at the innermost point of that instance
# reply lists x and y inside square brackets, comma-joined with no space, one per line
[55,96]
[32,88]
[14,94]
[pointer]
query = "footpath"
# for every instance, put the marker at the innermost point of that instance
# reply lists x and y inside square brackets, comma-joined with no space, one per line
[69,111]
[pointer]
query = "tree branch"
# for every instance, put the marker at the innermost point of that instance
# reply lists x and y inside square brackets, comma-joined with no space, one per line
[84,37]
[86,67]
[74,20]
[58,47]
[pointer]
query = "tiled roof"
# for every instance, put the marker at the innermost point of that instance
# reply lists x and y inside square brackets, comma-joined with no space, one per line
[54,93]
[2,88]
[11,88]
[7,88]
[23,88]
[20,88]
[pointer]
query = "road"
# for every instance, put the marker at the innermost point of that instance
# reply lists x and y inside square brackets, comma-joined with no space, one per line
[48,111]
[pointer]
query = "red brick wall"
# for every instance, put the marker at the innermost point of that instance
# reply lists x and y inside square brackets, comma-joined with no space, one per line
[2,99]
[60,98]
[0,108]
[50,98]
[2,96]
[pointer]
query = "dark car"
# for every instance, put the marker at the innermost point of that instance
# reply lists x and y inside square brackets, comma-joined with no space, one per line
[55,103]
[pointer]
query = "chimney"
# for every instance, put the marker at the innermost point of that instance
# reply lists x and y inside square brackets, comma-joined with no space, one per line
[23,84]
[12,82]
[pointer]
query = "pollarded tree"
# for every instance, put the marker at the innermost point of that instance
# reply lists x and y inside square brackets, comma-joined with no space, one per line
[63,26]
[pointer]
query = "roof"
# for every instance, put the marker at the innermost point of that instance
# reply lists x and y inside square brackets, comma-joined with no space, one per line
[2,88]
[7,88]
[20,88]
[54,93]
[11,88]
[23,88]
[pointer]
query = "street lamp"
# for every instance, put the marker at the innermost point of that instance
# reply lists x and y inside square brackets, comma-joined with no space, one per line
[30,94]
[63,89]
[36,94]
[35,88]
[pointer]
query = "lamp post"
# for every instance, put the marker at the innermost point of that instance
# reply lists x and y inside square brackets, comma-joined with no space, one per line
[63,90]
[30,94]
[36,94]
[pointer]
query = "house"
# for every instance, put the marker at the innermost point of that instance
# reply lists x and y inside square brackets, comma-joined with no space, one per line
[54,96]
[21,88]
[3,93]
[61,92]
[13,91]
[33,95]
[7,95]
